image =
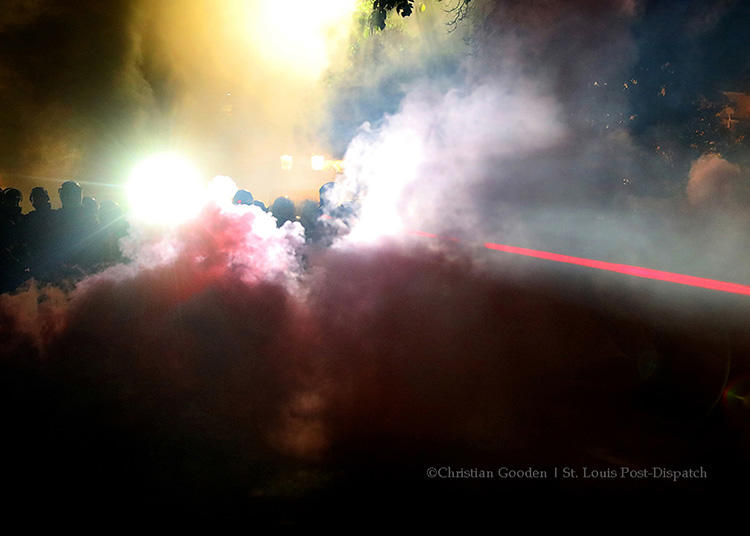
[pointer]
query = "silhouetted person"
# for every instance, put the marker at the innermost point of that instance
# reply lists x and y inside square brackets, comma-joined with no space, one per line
[70,196]
[11,204]
[38,230]
[91,252]
[12,199]
[90,209]
[90,204]
[12,251]
[40,200]
[113,226]
[11,209]
[75,233]
[110,214]
[309,218]
[242,197]
[283,210]
[324,193]
[2,216]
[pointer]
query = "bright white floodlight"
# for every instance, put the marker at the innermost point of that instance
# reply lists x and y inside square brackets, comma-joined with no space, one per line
[165,189]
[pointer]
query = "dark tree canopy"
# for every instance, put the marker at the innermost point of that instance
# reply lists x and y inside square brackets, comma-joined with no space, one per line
[380,9]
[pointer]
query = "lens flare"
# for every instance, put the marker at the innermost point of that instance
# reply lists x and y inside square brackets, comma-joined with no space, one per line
[165,189]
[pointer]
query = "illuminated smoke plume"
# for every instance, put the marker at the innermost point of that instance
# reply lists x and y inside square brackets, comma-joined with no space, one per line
[216,364]
[420,165]
[712,180]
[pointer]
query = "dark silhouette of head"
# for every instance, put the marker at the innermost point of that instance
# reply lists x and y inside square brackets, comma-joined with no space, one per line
[11,201]
[39,198]
[70,195]
[90,203]
[283,210]
[324,192]
[242,197]
[90,207]
[309,213]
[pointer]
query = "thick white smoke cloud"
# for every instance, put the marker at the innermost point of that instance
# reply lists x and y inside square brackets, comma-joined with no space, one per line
[418,166]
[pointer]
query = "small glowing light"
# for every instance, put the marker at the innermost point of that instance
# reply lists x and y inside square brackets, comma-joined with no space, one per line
[336,165]
[286,162]
[318,162]
[165,189]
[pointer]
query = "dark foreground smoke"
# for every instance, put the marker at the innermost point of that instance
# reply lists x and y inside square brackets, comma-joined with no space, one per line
[195,380]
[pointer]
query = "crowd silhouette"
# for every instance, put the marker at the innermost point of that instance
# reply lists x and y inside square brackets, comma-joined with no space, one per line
[82,237]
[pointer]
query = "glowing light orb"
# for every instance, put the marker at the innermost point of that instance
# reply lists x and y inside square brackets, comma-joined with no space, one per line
[318,162]
[165,189]
[287,162]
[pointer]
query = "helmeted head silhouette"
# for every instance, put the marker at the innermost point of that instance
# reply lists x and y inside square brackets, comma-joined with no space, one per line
[242,197]
[324,192]
[70,195]
[39,198]
[90,204]
[11,198]
[283,210]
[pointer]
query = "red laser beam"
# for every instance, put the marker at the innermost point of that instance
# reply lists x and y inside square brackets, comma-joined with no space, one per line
[637,271]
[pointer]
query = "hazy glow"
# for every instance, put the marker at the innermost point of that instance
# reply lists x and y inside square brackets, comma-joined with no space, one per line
[221,190]
[287,162]
[318,162]
[336,165]
[386,170]
[165,189]
[297,33]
